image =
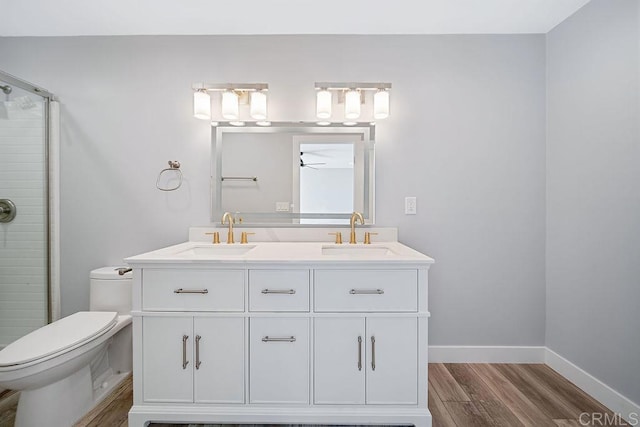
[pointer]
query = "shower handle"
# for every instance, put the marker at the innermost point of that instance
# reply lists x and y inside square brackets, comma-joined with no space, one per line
[7,210]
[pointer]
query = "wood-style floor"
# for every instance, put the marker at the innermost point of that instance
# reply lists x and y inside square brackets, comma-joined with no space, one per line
[460,395]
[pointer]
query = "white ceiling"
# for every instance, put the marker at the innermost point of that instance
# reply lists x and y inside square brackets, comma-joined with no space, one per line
[126,17]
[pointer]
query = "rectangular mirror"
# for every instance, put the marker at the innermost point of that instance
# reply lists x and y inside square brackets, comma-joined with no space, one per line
[293,173]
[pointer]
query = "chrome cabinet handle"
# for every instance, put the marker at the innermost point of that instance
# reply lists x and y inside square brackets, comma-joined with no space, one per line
[366,291]
[267,338]
[191,291]
[359,353]
[279,291]
[373,353]
[185,362]
[198,362]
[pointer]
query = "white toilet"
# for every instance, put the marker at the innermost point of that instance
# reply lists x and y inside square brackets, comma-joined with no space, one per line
[63,369]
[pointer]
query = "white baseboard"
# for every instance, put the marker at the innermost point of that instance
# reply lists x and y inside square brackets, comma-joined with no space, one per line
[486,354]
[600,391]
[604,394]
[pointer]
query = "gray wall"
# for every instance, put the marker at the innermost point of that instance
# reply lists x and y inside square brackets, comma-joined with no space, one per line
[466,136]
[593,192]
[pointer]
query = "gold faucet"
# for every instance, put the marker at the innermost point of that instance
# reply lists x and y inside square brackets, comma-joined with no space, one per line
[352,223]
[367,237]
[216,237]
[338,235]
[243,237]
[228,217]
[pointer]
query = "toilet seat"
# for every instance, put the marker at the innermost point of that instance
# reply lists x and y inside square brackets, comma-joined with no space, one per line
[57,338]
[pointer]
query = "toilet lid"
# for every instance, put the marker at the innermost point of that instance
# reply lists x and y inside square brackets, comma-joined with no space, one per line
[58,336]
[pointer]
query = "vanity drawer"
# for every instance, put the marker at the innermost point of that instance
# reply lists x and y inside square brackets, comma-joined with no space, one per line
[278,290]
[366,290]
[193,290]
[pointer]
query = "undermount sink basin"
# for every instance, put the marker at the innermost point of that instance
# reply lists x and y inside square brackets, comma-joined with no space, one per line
[215,251]
[357,250]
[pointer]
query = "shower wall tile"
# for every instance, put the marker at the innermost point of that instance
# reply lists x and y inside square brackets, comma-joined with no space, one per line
[22,242]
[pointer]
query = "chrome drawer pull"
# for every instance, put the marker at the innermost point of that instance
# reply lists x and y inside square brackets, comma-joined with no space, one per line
[191,291]
[198,362]
[185,362]
[278,339]
[373,353]
[366,291]
[359,353]
[279,291]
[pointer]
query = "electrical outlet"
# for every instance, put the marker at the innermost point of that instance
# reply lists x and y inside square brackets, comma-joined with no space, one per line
[410,205]
[282,206]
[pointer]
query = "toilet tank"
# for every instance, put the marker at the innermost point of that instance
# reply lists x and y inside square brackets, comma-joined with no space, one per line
[110,291]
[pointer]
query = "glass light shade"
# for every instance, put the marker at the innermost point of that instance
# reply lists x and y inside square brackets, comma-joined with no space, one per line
[259,105]
[352,104]
[230,108]
[323,104]
[381,104]
[201,105]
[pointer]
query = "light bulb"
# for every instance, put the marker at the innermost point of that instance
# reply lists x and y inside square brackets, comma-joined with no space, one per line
[352,104]
[323,104]
[381,104]
[259,105]
[230,109]
[201,105]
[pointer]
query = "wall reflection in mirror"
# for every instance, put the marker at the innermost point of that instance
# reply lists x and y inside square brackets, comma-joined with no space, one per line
[293,173]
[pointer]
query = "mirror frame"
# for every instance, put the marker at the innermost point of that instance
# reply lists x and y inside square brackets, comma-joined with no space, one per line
[366,131]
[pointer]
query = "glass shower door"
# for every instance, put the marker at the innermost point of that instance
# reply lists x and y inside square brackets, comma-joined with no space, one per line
[24,217]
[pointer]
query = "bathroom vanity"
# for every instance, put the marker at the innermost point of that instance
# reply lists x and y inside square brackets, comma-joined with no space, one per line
[280,333]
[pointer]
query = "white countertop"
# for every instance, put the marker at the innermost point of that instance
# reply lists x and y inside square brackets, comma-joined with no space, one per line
[282,252]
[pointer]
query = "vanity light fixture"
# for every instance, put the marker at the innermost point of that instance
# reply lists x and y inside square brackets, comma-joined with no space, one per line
[323,104]
[232,96]
[352,104]
[353,95]
[381,104]
[201,105]
[230,107]
[258,109]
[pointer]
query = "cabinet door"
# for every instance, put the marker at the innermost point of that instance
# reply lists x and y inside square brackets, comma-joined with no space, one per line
[339,361]
[392,361]
[218,359]
[279,360]
[166,346]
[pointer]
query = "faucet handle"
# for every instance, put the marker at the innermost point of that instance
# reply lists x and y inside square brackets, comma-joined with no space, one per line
[367,237]
[338,235]
[243,237]
[216,237]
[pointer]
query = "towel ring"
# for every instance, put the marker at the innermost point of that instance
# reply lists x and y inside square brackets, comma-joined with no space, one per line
[174,165]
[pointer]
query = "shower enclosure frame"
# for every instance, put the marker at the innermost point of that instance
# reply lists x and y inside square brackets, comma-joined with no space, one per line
[48,97]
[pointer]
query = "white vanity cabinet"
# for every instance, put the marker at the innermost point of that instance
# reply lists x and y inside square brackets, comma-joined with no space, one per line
[193,359]
[279,360]
[368,360]
[241,342]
